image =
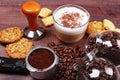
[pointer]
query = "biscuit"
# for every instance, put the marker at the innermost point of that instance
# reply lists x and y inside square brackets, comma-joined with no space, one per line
[48,21]
[108,25]
[117,30]
[10,35]
[19,49]
[95,26]
[45,12]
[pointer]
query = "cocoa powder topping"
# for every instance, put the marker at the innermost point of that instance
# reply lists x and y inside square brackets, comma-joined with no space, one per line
[71,20]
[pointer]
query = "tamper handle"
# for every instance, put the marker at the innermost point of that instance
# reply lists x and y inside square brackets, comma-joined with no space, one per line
[31,10]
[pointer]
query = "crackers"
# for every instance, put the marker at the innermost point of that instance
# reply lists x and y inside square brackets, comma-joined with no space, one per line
[19,49]
[99,26]
[48,21]
[44,12]
[46,16]
[10,35]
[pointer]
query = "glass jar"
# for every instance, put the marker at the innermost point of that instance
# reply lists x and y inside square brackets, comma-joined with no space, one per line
[105,45]
[102,60]
[95,69]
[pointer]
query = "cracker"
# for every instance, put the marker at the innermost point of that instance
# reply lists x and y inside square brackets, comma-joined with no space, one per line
[95,26]
[45,12]
[48,21]
[19,49]
[108,25]
[10,35]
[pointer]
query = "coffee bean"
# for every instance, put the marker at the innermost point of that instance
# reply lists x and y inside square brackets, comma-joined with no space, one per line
[68,56]
[100,64]
[108,47]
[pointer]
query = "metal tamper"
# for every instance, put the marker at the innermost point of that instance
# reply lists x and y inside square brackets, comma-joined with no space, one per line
[31,10]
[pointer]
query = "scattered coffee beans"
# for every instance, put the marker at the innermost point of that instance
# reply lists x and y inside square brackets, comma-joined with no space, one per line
[68,56]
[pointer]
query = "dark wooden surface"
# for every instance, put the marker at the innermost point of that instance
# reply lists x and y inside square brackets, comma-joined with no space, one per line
[11,15]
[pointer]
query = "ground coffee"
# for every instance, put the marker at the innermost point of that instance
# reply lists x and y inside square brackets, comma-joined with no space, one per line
[41,58]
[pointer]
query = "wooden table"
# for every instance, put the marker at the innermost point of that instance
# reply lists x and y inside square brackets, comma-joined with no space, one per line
[11,15]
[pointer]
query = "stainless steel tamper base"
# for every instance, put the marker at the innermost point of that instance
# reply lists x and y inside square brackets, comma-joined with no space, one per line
[34,34]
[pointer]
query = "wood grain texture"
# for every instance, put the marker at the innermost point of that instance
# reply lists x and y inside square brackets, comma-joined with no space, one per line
[11,15]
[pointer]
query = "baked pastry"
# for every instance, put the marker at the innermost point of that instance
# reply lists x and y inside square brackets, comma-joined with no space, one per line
[10,35]
[117,30]
[19,49]
[95,26]
[99,27]
[108,25]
